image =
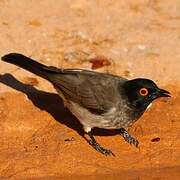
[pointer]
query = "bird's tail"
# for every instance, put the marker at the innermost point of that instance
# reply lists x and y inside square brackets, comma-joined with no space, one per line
[26,63]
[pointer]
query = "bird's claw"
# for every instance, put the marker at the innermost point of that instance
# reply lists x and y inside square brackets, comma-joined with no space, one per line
[100,149]
[132,140]
[127,137]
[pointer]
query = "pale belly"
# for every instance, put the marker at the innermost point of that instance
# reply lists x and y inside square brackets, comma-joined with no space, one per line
[110,120]
[113,119]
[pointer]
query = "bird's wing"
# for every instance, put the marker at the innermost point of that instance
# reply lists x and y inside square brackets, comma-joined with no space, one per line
[95,91]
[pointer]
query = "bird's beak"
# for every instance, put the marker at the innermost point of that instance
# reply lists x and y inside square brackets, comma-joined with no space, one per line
[163,93]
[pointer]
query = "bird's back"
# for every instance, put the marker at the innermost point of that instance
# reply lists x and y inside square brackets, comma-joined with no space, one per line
[97,92]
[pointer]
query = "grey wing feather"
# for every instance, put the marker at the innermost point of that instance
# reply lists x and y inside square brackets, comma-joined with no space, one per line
[92,90]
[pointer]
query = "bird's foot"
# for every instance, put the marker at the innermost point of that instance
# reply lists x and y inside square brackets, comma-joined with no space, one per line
[100,149]
[128,137]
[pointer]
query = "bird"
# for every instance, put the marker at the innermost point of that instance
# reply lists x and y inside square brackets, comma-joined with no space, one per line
[97,99]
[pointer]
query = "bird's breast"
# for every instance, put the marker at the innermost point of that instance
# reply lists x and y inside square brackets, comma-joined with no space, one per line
[113,119]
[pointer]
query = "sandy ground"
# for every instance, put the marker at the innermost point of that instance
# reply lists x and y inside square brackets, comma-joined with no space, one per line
[39,137]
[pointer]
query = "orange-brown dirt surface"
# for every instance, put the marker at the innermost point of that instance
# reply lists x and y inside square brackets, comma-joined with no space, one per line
[39,136]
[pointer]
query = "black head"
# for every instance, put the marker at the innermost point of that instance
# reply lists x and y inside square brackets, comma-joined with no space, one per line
[141,92]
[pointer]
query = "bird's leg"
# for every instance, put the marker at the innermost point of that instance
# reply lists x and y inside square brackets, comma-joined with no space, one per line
[97,146]
[128,137]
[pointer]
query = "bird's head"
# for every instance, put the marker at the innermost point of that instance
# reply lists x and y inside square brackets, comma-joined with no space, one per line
[141,92]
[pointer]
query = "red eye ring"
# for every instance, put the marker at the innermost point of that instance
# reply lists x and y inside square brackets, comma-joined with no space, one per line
[143,92]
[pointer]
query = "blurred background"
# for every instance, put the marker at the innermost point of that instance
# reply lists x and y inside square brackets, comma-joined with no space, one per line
[39,137]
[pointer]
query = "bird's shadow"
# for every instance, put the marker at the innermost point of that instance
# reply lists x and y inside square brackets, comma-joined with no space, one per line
[51,103]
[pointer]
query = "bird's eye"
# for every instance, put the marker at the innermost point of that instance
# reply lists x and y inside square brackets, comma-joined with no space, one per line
[143,92]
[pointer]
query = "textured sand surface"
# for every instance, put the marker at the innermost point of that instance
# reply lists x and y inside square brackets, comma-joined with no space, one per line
[39,137]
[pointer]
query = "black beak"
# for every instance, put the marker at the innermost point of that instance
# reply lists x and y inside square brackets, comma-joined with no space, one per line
[163,93]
